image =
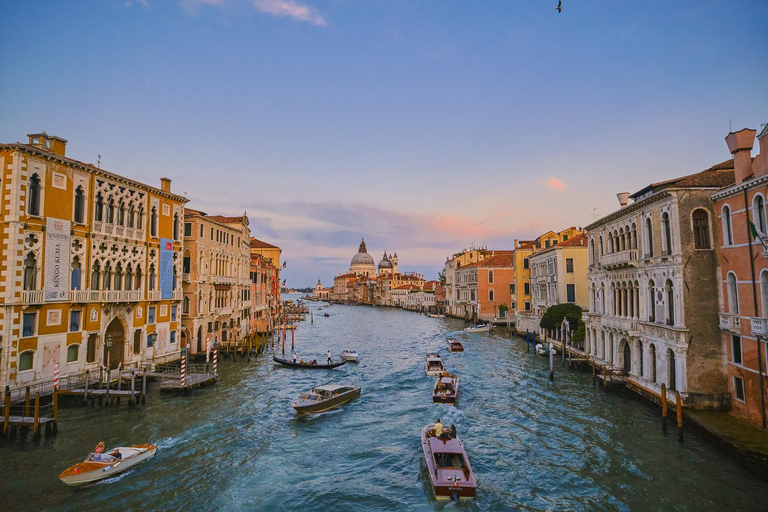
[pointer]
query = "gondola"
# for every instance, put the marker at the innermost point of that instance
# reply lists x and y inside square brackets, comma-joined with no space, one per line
[288,362]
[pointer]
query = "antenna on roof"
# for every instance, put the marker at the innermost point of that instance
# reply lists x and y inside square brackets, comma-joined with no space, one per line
[730,126]
[594,214]
[98,161]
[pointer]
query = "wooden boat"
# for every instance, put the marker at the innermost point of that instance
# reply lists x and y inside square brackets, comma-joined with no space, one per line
[434,365]
[435,316]
[326,314]
[91,470]
[449,470]
[326,397]
[446,389]
[455,345]
[479,328]
[350,355]
[318,366]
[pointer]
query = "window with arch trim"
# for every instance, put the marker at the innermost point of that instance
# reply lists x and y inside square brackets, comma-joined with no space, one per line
[758,214]
[490,277]
[33,199]
[733,293]
[79,205]
[649,236]
[26,360]
[727,229]
[73,353]
[701,229]
[666,226]
[490,295]
[764,293]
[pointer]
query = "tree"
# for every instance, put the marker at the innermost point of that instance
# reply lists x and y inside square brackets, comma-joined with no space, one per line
[441,276]
[554,316]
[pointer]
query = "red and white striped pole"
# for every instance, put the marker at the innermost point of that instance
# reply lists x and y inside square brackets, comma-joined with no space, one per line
[183,367]
[56,377]
[215,358]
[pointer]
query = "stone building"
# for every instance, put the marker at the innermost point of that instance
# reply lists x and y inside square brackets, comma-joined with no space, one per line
[217,291]
[483,287]
[268,257]
[91,273]
[743,274]
[653,292]
[265,282]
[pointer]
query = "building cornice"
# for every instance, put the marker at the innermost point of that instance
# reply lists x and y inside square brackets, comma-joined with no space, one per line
[91,168]
[628,209]
[739,187]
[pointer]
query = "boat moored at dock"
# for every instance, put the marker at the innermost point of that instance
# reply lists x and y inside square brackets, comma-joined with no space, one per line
[449,470]
[325,397]
[479,328]
[434,365]
[111,464]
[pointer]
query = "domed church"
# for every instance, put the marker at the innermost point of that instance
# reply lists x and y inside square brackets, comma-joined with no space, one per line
[388,264]
[362,263]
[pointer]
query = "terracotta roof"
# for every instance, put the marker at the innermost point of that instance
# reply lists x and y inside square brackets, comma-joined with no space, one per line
[224,219]
[258,244]
[577,240]
[498,261]
[717,176]
[527,245]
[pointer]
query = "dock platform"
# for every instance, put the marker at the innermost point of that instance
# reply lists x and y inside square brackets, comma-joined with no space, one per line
[192,380]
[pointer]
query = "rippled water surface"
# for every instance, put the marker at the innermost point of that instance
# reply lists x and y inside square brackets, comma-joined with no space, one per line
[534,444]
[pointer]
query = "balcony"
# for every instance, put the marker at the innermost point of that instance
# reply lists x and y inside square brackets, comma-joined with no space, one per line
[154,295]
[108,229]
[178,294]
[79,295]
[223,311]
[224,279]
[619,259]
[628,325]
[759,326]
[33,296]
[119,231]
[185,278]
[730,323]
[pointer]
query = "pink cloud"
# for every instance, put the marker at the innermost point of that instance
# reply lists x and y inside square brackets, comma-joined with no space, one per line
[554,183]
[290,8]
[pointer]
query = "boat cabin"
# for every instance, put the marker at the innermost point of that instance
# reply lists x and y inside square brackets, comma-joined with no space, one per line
[326,392]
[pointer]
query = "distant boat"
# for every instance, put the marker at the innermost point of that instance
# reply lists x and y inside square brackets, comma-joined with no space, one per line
[326,314]
[544,351]
[449,470]
[91,470]
[479,328]
[434,365]
[316,366]
[350,355]
[435,316]
[323,398]
[446,389]
[455,345]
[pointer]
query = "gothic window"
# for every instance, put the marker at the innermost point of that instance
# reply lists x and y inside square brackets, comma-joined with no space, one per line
[649,236]
[670,303]
[75,282]
[733,293]
[140,217]
[634,236]
[652,362]
[727,230]
[119,277]
[758,214]
[79,205]
[33,200]
[30,272]
[651,301]
[153,222]
[667,228]
[95,276]
[151,277]
[106,283]
[109,217]
[138,278]
[128,278]
[701,229]
[121,214]
[185,305]
[764,293]
[175,226]
[98,210]
[131,216]
[490,277]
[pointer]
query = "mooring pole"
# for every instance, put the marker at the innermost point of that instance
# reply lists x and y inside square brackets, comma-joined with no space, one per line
[663,406]
[679,416]
[551,363]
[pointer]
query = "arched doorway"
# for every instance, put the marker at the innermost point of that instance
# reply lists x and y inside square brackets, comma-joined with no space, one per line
[671,370]
[200,339]
[116,332]
[626,354]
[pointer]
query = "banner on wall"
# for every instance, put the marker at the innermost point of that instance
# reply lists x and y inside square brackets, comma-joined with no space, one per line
[166,268]
[56,276]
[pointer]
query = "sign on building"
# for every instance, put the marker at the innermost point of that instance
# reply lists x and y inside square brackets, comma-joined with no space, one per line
[166,268]
[56,260]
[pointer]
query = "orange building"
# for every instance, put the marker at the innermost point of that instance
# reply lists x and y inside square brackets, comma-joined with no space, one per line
[484,288]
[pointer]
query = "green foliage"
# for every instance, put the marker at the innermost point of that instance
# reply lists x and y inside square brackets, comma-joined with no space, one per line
[503,307]
[580,333]
[553,317]
[441,276]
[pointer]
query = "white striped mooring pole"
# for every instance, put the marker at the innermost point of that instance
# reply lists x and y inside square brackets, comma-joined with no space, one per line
[56,377]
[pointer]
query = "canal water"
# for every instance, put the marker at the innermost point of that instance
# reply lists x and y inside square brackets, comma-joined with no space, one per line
[534,444]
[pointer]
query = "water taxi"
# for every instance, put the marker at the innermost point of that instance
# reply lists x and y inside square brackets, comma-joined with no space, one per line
[432,315]
[326,397]
[446,389]
[450,473]
[455,345]
[113,462]
[434,365]
[479,328]
[350,355]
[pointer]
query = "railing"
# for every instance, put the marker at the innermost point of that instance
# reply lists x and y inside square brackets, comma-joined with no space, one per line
[119,230]
[223,311]
[178,294]
[154,295]
[759,326]
[33,296]
[129,232]
[618,258]
[185,278]
[224,279]
[730,322]
[79,295]
[97,227]
[108,228]
[625,324]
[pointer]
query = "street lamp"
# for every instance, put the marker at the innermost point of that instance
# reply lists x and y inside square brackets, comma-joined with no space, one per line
[108,346]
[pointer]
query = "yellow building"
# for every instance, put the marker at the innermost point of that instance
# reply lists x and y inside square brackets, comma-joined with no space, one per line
[91,267]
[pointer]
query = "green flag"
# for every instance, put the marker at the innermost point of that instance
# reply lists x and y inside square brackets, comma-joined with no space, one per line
[753,230]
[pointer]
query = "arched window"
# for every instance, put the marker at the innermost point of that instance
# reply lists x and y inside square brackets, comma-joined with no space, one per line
[151,277]
[701,229]
[138,278]
[490,295]
[602,297]
[98,209]
[121,214]
[640,368]
[670,303]
[671,370]
[79,205]
[119,277]
[109,218]
[764,293]
[26,360]
[733,293]
[73,353]
[600,243]
[140,217]
[185,305]
[652,362]
[634,236]
[758,214]
[727,231]
[95,276]
[33,199]
[175,226]
[666,226]
[131,216]
[106,280]
[649,236]
[622,242]
[651,301]
[30,272]
[128,278]
[490,277]
[76,282]
[153,222]
[175,278]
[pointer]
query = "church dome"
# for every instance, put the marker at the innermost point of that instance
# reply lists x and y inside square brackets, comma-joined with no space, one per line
[385,263]
[362,257]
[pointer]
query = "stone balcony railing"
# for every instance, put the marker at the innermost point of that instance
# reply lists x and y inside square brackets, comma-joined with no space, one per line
[629,325]
[730,322]
[154,295]
[33,296]
[223,311]
[621,258]
[759,326]
[185,277]
[224,279]
[178,294]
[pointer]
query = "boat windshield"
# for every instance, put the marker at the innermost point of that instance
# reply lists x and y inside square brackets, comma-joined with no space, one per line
[449,460]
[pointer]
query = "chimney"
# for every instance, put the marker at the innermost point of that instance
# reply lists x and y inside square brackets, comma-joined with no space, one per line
[514,245]
[760,163]
[623,198]
[51,143]
[740,146]
[165,184]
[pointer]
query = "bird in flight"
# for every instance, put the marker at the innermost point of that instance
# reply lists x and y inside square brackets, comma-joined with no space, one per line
[559,6]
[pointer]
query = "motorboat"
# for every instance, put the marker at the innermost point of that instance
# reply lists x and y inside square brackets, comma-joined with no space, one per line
[435,316]
[350,355]
[446,389]
[325,397]
[434,365]
[314,365]
[479,328]
[455,345]
[544,351]
[450,473]
[111,463]
[326,315]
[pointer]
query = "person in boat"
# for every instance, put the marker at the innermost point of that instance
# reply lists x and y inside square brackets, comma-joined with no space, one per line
[453,431]
[295,357]
[116,454]
[98,452]
[301,361]
[438,428]
[328,355]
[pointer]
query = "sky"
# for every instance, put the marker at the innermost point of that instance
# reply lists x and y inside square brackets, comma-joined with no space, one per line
[425,127]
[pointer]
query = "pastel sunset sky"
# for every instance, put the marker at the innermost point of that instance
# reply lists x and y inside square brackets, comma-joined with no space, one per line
[423,126]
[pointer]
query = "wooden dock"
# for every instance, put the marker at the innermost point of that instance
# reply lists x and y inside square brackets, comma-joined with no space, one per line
[192,380]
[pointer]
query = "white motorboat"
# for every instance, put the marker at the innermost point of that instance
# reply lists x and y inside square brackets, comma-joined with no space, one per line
[113,462]
[434,365]
[350,355]
[543,351]
[435,316]
[479,328]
